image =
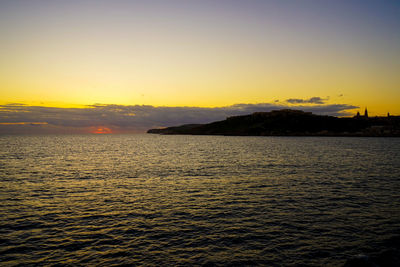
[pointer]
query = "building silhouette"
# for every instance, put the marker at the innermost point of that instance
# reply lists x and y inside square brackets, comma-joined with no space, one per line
[365,114]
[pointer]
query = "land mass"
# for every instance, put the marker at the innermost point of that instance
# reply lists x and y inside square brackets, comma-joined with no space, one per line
[289,122]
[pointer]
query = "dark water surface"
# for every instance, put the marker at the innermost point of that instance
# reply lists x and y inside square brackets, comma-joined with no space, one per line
[197,200]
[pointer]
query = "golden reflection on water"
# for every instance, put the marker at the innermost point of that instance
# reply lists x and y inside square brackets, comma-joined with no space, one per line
[145,199]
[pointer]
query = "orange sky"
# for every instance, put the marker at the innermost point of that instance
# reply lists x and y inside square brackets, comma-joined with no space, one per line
[206,54]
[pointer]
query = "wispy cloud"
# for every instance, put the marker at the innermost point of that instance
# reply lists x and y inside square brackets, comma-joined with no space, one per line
[135,118]
[23,123]
[312,100]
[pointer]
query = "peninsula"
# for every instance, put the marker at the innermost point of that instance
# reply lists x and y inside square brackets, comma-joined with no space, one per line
[289,122]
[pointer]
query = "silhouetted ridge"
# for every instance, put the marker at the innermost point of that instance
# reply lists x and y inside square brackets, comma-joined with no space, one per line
[289,122]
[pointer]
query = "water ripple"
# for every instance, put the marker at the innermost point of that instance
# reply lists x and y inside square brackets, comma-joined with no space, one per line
[198,200]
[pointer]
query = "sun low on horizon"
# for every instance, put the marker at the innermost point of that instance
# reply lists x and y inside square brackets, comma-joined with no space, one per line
[199,54]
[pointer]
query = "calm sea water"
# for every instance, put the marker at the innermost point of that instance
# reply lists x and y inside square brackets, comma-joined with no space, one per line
[197,200]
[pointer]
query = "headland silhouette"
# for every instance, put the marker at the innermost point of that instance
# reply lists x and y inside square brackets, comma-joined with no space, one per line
[288,122]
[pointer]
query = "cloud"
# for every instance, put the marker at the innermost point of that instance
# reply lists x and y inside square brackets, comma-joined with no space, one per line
[312,100]
[23,123]
[18,118]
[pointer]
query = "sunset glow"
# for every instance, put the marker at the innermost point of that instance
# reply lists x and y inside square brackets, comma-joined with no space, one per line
[200,132]
[207,54]
[102,130]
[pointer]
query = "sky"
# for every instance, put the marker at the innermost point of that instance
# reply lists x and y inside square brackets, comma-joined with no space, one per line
[80,61]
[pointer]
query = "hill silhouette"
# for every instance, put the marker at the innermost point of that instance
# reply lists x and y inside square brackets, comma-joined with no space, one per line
[289,122]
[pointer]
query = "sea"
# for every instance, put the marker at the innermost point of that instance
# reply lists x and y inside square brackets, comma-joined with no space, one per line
[180,200]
